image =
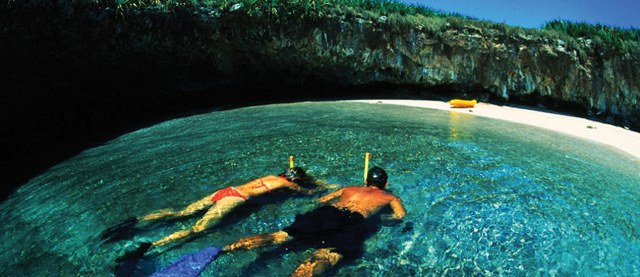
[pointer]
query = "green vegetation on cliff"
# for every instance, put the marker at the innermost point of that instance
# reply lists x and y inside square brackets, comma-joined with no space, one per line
[603,36]
[399,16]
[286,9]
[335,42]
[81,71]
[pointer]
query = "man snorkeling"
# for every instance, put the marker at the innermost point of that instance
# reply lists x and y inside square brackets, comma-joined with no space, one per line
[337,230]
[222,202]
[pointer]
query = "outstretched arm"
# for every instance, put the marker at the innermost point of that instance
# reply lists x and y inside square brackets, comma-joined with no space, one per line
[295,187]
[330,196]
[321,186]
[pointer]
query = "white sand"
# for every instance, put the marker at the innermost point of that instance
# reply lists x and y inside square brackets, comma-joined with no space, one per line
[618,137]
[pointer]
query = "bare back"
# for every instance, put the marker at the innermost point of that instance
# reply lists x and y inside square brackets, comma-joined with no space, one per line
[264,185]
[365,200]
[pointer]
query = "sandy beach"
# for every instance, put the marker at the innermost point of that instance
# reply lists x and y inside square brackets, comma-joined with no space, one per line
[626,140]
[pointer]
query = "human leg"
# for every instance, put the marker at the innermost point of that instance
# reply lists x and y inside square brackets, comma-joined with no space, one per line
[259,241]
[320,261]
[213,215]
[189,210]
[164,213]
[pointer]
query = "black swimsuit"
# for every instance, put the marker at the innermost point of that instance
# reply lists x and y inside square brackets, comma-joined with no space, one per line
[330,227]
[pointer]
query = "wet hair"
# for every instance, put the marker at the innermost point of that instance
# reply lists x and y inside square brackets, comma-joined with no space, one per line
[296,174]
[377,177]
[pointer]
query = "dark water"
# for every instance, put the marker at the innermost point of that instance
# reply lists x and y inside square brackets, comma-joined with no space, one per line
[482,196]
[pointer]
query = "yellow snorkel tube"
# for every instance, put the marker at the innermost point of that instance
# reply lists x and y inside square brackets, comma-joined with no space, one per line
[291,162]
[366,166]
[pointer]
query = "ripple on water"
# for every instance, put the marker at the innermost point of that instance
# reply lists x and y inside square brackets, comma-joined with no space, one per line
[483,197]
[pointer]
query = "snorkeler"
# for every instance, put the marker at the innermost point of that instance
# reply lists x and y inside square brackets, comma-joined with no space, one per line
[337,230]
[222,202]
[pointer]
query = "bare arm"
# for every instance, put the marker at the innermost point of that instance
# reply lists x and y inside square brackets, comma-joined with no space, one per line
[398,209]
[298,188]
[330,196]
[323,185]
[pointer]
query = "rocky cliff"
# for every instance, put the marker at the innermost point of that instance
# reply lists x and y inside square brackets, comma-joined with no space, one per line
[464,58]
[344,48]
[77,64]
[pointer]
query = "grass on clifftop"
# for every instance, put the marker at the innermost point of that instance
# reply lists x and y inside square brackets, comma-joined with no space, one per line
[398,16]
[283,10]
[604,36]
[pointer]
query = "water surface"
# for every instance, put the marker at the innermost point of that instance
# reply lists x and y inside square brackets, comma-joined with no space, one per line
[482,196]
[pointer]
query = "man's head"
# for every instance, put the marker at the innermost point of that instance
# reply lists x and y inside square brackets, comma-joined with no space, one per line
[377,177]
[295,174]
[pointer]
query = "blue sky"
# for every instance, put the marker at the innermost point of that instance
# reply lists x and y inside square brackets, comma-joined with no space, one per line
[534,13]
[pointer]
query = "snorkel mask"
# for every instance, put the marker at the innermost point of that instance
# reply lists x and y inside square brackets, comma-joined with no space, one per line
[377,177]
[294,174]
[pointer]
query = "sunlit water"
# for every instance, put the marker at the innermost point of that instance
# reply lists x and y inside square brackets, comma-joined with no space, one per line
[482,196]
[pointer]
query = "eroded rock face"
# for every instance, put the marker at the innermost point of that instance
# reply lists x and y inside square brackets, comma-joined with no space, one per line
[75,73]
[467,59]
[231,46]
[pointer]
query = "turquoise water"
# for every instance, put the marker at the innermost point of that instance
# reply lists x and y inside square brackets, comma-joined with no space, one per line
[483,196]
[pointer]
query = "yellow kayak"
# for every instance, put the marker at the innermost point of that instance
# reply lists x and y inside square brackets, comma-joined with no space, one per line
[460,103]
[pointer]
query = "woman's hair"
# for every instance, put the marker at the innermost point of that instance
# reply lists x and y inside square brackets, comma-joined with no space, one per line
[377,177]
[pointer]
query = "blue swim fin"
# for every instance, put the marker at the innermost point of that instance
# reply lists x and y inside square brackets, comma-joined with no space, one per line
[190,265]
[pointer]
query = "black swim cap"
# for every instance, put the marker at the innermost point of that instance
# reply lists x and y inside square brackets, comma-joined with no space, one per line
[294,173]
[377,177]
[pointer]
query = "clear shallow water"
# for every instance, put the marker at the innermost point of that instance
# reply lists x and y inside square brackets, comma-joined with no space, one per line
[482,196]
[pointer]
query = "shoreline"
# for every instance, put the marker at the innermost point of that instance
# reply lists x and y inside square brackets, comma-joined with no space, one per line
[625,140]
